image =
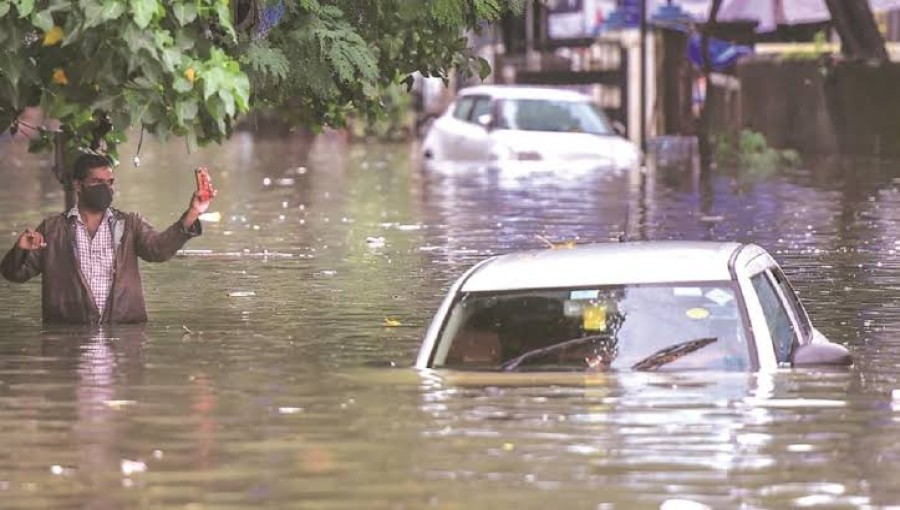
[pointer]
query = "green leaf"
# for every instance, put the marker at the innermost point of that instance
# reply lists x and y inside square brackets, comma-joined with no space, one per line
[484,67]
[96,14]
[184,40]
[187,110]
[143,11]
[138,40]
[227,101]
[39,144]
[215,107]
[184,13]
[43,20]
[241,91]
[213,79]
[25,7]
[142,82]
[121,118]
[163,39]
[116,136]
[182,85]
[223,11]
[171,60]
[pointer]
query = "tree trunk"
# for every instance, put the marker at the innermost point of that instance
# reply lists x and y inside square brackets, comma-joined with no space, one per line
[62,169]
[855,24]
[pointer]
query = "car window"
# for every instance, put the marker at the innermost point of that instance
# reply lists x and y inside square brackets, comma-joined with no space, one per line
[614,327]
[549,115]
[481,107]
[794,303]
[781,329]
[463,108]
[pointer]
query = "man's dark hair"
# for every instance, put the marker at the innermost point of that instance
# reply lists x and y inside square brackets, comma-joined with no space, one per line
[86,162]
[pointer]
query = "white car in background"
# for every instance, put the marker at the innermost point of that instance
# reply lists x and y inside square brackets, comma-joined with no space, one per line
[538,127]
[655,305]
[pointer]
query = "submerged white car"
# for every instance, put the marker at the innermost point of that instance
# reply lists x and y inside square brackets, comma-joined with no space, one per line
[515,126]
[654,305]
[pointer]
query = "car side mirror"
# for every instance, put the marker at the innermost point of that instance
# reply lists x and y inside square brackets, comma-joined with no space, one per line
[821,354]
[486,120]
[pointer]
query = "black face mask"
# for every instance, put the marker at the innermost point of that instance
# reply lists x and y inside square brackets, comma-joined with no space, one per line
[96,197]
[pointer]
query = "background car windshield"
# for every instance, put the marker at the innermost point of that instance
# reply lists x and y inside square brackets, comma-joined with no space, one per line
[621,325]
[547,115]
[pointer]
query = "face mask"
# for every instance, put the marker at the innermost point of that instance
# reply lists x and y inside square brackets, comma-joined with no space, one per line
[97,197]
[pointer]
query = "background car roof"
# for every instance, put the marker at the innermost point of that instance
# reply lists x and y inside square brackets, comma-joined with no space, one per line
[605,264]
[519,92]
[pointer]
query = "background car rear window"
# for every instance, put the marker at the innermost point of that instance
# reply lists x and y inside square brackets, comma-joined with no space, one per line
[482,106]
[463,107]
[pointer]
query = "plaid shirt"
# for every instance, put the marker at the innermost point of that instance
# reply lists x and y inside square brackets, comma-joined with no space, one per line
[96,256]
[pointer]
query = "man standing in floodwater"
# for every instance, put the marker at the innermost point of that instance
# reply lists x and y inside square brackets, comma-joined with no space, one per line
[88,255]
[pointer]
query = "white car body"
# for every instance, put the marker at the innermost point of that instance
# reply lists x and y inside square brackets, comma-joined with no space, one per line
[685,265]
[484,124]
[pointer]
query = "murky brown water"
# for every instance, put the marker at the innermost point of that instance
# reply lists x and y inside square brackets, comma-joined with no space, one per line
[256,383]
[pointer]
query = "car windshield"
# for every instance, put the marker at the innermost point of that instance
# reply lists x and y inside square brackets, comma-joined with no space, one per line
[631,327]
[549,115]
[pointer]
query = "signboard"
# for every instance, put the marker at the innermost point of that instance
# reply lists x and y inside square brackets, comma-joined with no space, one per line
[574,19]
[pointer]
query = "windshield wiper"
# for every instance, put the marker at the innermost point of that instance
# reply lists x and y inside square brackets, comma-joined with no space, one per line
[672,353]
[514,363]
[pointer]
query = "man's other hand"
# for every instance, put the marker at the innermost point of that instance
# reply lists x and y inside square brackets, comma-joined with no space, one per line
[31,240]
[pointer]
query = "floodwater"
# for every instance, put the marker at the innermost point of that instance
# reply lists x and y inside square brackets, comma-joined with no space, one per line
[275,369]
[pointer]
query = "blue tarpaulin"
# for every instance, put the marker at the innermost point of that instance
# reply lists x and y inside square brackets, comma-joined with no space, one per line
[722,54]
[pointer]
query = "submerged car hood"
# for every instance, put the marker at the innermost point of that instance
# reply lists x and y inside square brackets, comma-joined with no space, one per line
[569,145]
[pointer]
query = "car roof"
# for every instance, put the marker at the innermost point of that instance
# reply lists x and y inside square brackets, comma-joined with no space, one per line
[520,92]
[638,262]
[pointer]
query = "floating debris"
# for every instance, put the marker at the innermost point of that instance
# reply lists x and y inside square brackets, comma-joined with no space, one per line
[189,253]
[290,410]
[566,245]
[242,293]
[119,404]
[391,323]
[130,467]
[58,470]
[211,217]
[682,504]
[375,242]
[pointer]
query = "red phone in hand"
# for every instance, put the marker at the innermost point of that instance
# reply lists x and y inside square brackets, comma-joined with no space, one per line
[204,184]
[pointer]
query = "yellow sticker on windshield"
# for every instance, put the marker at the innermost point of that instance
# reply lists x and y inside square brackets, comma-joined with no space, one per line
[594,318]
[697,313]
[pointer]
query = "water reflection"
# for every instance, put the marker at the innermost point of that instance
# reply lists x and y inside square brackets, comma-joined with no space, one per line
[704,437]
[71,383]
